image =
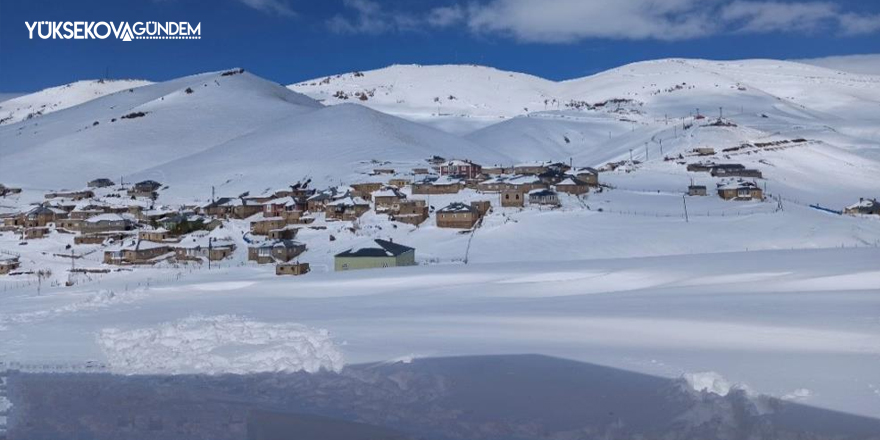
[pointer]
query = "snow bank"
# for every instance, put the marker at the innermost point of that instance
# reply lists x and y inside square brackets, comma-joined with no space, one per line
[219,344]
[708,381]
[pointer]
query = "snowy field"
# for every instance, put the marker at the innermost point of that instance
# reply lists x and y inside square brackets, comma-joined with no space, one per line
[794,324]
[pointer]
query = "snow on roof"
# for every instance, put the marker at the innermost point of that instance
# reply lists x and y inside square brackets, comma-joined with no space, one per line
[387,192]
[541,192]
[523,179]
[108,218]
[446,180]
[385,249]
[457,207]
[864,203]
[349,201]
[204,241]
[736,184]
[571,181]
[582,170]
[537,163]
[286,201]
[458,163]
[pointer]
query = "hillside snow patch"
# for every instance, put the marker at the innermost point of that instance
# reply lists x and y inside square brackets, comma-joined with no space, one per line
[708,381]
[219,344]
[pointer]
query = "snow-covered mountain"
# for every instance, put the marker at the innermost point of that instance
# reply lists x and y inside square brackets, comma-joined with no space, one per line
[20,108]
[231,128]
[462,98]
[243,132]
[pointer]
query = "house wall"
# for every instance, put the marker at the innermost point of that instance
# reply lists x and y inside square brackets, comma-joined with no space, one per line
[435,189]
[5,268]
[459,220]
[292,269]
[573,189]
[355,263]
[512,199]
[262,227]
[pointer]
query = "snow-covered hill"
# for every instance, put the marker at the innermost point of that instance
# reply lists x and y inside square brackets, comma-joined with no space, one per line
[20,108]
[331,146]
[463,98]
[224,128]
[458,98]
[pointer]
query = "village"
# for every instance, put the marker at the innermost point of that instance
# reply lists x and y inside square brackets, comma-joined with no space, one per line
[128,227]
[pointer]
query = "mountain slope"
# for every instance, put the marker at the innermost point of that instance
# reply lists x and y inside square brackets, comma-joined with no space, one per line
[464,98]
[20,108]
[331,146]
[141,128]
[458,98]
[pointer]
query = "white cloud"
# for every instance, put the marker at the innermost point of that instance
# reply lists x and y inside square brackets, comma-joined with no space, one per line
[763,17]
[570,20]
[855,24]
[279,7]
[560,21]
[445,16]
[370,18]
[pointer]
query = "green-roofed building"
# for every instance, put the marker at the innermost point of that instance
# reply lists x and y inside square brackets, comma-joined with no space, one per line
[384,254]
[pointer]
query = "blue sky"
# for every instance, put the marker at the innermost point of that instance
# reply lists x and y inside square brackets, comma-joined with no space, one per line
[293,40]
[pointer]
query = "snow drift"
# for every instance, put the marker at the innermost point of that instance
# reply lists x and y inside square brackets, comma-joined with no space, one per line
[219,344]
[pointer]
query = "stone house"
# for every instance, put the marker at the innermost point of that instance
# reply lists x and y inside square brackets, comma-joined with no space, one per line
[155,235]
[511,198]
[346,209]
[292,269]
[204,248]
[286,233]
[441,185]
[412,212]
[102,182]
[388,199]
[365,189]
[264,225]
[573,185]
[8,265]
[399,182]
[697,190]
[739,190]
[585,174]
[72,195]
[864,207]
[35,232]
[457,215]
[275,251]
[142,252]
[106,223]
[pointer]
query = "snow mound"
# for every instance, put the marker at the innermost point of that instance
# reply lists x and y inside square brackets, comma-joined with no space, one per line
[708,381]
[219,344]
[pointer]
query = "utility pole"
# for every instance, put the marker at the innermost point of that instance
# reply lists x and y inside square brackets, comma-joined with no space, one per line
[210,240]
[212,193]
[684,200]
[630,155]
[646,151]
[720,112]
[661,148]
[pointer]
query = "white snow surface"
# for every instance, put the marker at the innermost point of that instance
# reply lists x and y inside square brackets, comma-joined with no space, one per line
[219,344]
[20,107]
